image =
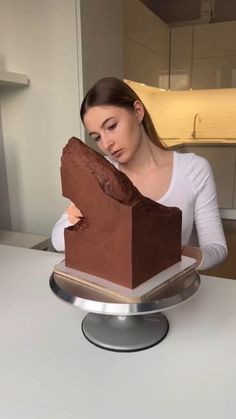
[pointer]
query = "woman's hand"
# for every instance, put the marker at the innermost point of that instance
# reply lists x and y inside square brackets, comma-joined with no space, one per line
[192,252]
[73,213]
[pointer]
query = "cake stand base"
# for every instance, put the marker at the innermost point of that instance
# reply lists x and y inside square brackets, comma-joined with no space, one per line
[125,333]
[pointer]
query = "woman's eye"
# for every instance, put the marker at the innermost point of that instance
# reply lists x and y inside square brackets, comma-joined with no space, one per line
[113,126]
[96,138]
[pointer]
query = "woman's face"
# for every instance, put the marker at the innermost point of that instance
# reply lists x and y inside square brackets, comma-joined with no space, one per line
[117,131]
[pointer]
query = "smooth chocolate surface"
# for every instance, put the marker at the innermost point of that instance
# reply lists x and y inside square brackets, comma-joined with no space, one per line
[123,236]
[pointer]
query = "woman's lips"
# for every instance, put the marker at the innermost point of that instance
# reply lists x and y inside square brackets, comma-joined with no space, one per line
[117,153]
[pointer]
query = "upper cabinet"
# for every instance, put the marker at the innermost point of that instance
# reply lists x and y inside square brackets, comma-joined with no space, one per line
[203,56]
[146,46]
[214,56]
[181,58]
[192,57]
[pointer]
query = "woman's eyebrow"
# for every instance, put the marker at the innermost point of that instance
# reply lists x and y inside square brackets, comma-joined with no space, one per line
[104,123]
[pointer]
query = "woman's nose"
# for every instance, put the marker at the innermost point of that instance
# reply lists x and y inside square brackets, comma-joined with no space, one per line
[107,142]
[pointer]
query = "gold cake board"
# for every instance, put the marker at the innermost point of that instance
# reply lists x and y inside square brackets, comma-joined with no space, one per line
[139,294]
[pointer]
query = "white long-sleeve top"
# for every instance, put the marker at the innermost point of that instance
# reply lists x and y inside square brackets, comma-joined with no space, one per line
[192,189]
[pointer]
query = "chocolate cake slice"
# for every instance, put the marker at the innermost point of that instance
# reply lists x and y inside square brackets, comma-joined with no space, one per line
[123,236]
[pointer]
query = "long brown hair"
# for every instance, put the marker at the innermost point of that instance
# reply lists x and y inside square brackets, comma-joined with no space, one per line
[115,92]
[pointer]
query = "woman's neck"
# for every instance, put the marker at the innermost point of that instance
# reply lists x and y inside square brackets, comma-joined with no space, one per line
[147,157]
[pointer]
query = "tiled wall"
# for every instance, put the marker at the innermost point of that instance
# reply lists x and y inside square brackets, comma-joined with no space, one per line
[173,111]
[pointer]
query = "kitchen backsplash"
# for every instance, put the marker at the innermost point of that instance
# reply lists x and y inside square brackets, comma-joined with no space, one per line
[173,111]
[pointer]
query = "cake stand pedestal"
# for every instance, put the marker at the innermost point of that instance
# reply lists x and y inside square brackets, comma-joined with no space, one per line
[124,327]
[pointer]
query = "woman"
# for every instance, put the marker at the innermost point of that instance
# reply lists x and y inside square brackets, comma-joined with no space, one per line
[119,123]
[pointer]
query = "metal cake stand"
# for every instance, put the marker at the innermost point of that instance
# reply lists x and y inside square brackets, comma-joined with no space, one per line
[123,327]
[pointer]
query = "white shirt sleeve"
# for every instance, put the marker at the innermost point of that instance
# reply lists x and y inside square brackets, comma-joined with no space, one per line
[57,236]
[207,217]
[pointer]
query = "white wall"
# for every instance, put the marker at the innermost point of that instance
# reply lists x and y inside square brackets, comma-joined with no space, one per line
[5,221]
[43,40]
[101,43]
[102,40]
[38,38]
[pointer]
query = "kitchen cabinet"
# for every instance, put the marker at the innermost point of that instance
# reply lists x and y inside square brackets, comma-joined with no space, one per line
[146,46]
[214,40]
[135,62]
[214,56]
[214,73]
[181,58]
[135,17]
[222,160]
[158,70]
[203,56]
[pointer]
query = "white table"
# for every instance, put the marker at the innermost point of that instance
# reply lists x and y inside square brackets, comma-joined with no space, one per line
[48,370]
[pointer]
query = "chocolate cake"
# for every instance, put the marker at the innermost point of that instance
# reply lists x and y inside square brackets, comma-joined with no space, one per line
[123,236]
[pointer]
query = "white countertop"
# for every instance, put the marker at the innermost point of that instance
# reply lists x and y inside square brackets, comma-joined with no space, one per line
[50,371]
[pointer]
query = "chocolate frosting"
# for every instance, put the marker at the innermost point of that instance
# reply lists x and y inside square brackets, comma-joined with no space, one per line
[112,181]
[122,234]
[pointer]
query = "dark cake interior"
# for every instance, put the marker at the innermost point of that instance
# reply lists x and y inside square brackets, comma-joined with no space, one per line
[123,236]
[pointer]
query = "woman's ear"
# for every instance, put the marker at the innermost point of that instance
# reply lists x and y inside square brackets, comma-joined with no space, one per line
[139,111]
